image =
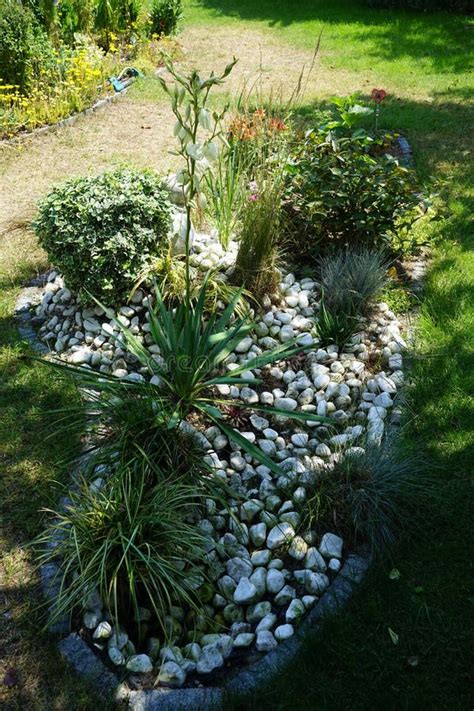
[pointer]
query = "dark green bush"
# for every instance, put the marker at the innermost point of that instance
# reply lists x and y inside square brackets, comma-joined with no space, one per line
[101,232]
[165,17]
[341,192]
[23,44]
[463,6]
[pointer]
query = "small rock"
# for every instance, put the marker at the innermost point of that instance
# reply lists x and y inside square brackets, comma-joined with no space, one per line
[140,664]
[244,639]
[279,535]
[265,641]
[284,632]
[209,660]
[245,592]
[172,675]
[331,546]
[103,631]
[295,611]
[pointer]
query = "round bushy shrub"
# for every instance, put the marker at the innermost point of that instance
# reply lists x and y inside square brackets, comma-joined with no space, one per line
[101,232]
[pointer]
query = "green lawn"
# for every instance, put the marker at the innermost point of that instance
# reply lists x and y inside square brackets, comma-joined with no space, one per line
[422,61]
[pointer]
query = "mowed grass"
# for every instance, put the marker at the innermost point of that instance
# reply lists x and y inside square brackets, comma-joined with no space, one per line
[422,61]
[31,478]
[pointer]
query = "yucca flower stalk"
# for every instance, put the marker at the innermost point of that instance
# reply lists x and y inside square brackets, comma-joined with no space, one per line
[189,102]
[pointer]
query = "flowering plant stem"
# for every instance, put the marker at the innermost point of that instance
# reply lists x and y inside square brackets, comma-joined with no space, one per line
[189,100]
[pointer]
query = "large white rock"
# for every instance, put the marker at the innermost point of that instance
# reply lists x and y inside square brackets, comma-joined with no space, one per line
[245,592]
[331,545]
[280,534]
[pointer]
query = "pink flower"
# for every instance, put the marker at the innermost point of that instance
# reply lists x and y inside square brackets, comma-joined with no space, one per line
[253,197]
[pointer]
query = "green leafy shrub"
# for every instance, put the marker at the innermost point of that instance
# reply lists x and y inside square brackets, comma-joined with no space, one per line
[165,17]
[134,541]
[101,232]
[23,45]
[372,495]
[340,193]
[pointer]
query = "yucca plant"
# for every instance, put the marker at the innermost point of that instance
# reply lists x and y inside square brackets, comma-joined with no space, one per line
[133,540]
[192,352]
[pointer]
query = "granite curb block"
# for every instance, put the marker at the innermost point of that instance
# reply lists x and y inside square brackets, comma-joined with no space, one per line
[244,682]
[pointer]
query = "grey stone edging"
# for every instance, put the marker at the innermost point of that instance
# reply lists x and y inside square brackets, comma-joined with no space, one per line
[67,121]
[244,682]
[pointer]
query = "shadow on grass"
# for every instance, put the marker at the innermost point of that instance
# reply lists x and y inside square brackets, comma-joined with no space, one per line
[353,662]
[439,38]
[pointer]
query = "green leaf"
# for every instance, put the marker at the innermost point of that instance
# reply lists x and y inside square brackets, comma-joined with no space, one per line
[393,636]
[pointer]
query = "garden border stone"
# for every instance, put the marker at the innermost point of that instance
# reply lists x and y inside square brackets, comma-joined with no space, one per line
[69,120]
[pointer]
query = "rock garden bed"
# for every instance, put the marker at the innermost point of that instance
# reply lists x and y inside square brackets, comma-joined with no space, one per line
[268,573]
[234,410]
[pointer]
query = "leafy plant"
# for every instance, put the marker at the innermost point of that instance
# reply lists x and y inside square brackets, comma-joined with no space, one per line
[165,17]
[352,278]
[100,232]
[340,193]
[335,327]
[133,539]
[371,496]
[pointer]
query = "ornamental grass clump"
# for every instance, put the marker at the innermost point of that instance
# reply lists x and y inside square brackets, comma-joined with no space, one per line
[260,234]
[350,281]
[370,495]
[133,539]
[352,278]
